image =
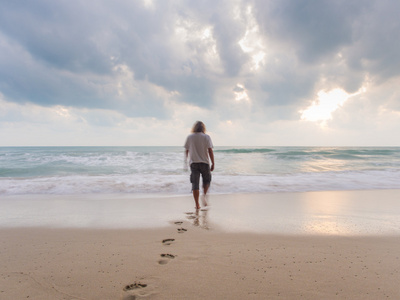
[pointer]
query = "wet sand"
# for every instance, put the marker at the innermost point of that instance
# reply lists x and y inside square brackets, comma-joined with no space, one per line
[372,212]
[193,256]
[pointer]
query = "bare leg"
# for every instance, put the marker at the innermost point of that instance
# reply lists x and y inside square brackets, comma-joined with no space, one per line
[196,195]
[205,189]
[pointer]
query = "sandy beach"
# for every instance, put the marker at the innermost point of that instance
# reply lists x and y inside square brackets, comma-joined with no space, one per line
[193,256]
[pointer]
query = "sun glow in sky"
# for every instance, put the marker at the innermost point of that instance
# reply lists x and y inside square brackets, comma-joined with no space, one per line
[257,73]
[327,103]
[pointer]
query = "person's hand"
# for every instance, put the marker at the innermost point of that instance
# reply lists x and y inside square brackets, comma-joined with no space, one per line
[185,166]
[212,167]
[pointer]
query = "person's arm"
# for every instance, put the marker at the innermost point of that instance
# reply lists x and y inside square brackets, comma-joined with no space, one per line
[211,154]
[185,160]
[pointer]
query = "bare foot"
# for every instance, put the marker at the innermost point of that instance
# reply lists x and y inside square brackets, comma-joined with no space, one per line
[204,200]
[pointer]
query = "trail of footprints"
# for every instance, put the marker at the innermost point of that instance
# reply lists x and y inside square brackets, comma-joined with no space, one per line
[166,257]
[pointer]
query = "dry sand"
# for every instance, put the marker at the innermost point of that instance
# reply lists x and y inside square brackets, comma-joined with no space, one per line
[198,264]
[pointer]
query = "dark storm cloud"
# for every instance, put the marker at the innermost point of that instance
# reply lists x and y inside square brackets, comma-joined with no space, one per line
[73,48]
[363,32]
[376,44]
[309,34]
[59,33]
[315,28]
[67,52]
[228,34]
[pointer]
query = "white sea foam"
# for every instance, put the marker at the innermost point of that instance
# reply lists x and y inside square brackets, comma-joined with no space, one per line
[138,170]
[179,184]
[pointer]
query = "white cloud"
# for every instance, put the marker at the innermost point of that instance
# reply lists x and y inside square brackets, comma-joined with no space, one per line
[240,93]
[252,42]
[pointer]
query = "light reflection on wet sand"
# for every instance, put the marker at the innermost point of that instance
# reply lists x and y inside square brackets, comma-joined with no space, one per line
[323,213]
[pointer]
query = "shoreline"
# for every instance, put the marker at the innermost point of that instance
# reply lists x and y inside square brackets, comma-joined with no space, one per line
[363,212]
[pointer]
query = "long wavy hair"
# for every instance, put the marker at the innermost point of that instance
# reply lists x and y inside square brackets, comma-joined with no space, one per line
[199,127]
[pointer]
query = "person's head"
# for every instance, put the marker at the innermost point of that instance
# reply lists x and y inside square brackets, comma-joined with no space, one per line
[199,127]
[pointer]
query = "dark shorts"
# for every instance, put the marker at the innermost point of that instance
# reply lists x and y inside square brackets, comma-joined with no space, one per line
[197,169]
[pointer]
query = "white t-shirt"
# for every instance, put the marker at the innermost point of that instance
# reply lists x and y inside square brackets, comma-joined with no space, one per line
[198,144]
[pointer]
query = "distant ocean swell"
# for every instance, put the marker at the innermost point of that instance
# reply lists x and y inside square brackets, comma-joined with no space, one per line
[141,170]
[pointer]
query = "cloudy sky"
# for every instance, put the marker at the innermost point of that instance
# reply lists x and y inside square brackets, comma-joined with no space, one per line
[257,72]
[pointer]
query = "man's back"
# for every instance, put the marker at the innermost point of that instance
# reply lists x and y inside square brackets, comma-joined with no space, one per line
[198,144]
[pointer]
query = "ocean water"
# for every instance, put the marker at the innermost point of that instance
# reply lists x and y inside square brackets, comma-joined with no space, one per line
[161,170]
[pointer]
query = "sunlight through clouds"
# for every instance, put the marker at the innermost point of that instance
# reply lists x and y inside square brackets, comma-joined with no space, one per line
[252,43]
[148,3]
[240,93]
[198,45]
[328,102]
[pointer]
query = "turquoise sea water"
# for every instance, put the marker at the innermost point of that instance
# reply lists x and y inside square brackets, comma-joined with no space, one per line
[82,170]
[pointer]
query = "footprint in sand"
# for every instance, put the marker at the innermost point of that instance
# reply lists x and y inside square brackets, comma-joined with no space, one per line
[182,230]
[168,241]
[138,290]
[165,261]
[178,223]
[133,286]
[190,215]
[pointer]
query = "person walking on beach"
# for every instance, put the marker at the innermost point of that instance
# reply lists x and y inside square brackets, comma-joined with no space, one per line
[198,147]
